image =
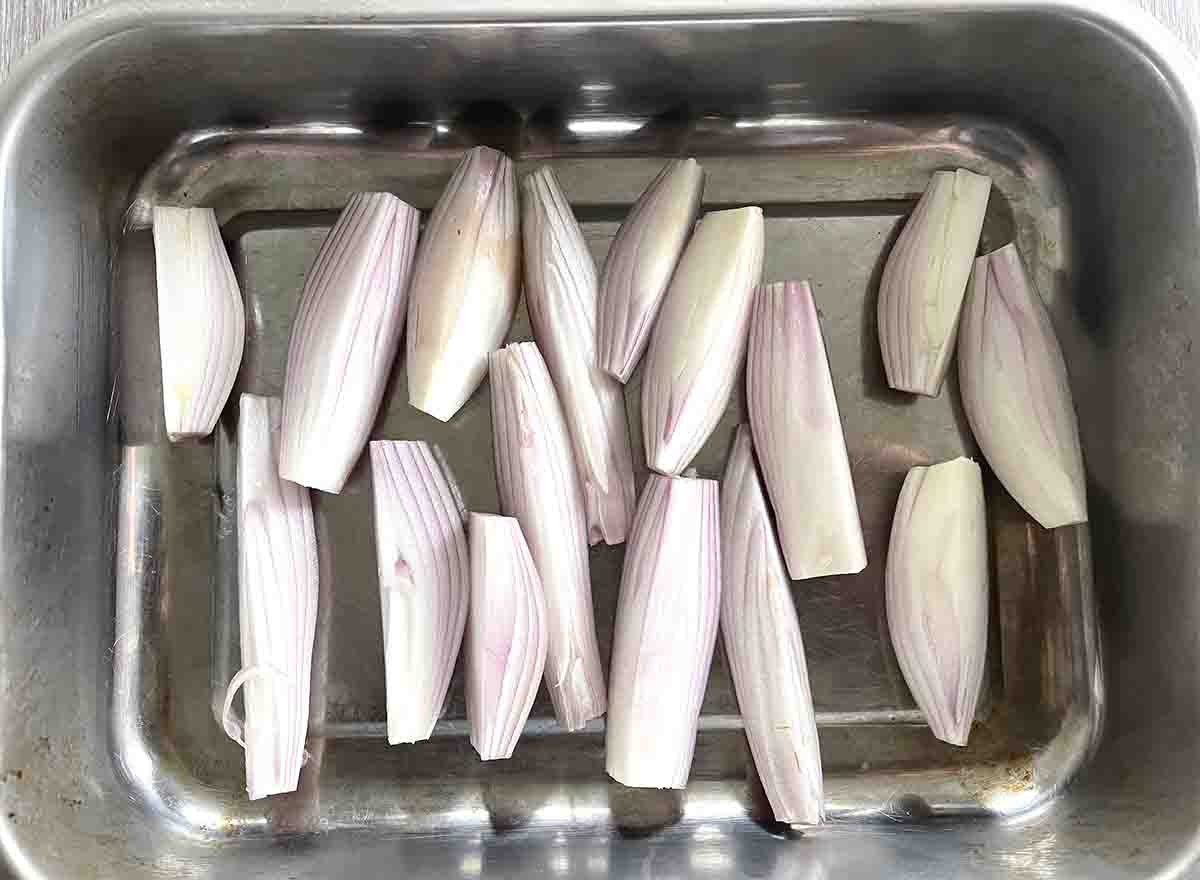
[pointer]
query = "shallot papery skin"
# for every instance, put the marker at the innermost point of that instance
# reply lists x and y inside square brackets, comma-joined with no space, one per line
[921,292]
[764,648]
[560,292]
[539,486]
[201,321]
[937,592]
[344,339]
[506,635]
[699,341]
[666,627]
[798,434]
[277,605]
[465,284]
[1016,392]
[641,261]
[424,582]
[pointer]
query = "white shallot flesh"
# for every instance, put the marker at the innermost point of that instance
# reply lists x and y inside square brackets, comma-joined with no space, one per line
[798,434]
[1016,393]
[506,635]
[921,292]
[666,628]
[764,648]
[424,582]
[201,320]
[640,263]
[539,486]
[277,605]
[699,341]
[560,293]
[344,339]
[937,593]
[465,284]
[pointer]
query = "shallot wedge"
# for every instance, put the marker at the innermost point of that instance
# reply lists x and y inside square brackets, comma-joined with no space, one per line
[921,292]
[277,605]
[424,582]
[764,648]
[640,263]
[344,339]
[666,627]
[937,592]
[700,338]
[539,486]
[201,321]
[1016,392]
[506,638]
[465,283]
[798,434]
[560,292]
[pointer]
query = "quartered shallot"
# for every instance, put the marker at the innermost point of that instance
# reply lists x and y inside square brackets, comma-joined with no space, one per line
[201,322]
[798,434]
[424,582]
[699,340]
[640,263]
[937,592]
[465,283]
[539,486]
[921,292]
[666,627]
[344,339]
[1016,393]
[764,648]
[277,605]
[506,635]
[560,292]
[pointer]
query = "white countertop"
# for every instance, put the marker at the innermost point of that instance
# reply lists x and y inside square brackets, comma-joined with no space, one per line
[23,22]
[1181,16]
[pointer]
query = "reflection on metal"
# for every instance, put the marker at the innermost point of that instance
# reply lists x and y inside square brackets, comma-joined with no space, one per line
[601,127]
[808,122]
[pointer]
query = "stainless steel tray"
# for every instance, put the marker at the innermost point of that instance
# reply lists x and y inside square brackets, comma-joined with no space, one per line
[112,755]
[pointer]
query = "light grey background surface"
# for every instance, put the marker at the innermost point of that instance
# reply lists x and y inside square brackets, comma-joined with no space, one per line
[1182,16]
[24,22]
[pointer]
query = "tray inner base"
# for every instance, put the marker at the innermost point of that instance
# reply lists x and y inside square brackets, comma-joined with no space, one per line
[833,209]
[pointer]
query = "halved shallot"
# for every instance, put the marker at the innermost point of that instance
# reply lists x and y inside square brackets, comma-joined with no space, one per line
[424,582]
[764,648]
[344,339]
[1016,393]
[937,592]
[640,263]
[506,639]
[798,434]
[666,627]
[921,292]
[539,486]
[201,321]
[465,283]
[560,292]
[699,340]
[277,605]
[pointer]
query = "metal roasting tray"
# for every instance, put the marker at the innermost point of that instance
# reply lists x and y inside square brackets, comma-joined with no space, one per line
[118,609]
